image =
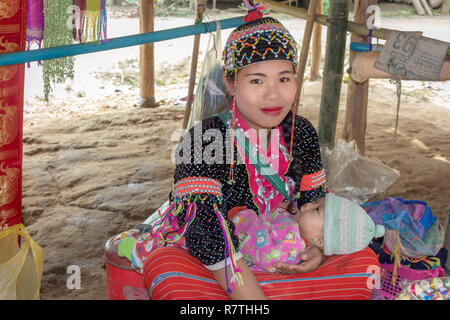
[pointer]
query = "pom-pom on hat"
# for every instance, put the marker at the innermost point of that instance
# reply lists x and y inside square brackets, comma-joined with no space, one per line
[347,227]
[259,39]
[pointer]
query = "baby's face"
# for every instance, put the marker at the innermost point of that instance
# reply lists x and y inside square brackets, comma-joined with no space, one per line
[310,221]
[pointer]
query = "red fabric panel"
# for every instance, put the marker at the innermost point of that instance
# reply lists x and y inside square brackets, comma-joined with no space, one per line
[12,38]
[171,273]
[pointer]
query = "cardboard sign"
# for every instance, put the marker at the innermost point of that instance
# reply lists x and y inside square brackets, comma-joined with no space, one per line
[411,56]
[396,52]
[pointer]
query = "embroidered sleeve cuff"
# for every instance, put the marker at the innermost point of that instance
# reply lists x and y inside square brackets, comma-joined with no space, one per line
[313,181]
[221,264]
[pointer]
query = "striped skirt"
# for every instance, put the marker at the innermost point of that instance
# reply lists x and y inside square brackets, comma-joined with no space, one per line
[170,273]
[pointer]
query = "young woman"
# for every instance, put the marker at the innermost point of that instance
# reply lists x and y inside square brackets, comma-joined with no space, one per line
[256,155]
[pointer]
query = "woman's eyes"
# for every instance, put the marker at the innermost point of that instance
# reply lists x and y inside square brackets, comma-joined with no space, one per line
[256,81]
[259,81]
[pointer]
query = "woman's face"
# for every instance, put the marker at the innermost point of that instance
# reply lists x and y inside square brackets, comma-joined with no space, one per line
[265,92]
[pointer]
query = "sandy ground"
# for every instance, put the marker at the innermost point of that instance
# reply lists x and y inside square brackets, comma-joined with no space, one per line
[96,165]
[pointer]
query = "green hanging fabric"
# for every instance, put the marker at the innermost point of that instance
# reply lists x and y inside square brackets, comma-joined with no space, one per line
[57,32]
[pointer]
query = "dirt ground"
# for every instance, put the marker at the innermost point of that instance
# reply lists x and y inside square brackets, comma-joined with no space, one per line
[95,164]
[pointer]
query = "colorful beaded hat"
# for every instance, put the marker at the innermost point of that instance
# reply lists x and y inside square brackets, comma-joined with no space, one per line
[260,39]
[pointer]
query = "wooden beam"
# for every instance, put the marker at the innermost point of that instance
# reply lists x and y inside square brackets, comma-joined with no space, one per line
[187,112]
[316,46]
[333,71]
[146,57]
[357,93]
[305,47]
[361,29]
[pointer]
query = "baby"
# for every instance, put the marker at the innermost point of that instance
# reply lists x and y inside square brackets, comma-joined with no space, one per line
[334,224]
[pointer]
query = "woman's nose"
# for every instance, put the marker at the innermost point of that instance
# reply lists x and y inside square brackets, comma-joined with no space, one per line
[272,91]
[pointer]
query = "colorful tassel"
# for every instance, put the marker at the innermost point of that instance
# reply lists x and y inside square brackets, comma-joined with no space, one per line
[236,279]
[35,23]
[102,34]
[79,13]
[92,26]
[254,12]
[396,254]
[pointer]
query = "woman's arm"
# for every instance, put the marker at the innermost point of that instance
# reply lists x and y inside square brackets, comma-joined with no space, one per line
[249,291]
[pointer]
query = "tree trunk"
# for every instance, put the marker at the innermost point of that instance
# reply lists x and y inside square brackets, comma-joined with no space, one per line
[333,71]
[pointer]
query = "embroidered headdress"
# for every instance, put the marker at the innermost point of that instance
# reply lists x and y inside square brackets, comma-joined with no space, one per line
[260,39]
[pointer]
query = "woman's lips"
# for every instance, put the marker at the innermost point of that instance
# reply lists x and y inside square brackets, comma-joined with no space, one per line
[272,111]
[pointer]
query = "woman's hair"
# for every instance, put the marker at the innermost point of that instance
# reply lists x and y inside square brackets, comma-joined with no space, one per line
[296,166]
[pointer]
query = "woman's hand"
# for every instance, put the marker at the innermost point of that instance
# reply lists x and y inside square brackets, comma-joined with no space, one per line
[311,259]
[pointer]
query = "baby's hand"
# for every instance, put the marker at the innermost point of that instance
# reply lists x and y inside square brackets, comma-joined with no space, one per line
[311,259]
[293,207]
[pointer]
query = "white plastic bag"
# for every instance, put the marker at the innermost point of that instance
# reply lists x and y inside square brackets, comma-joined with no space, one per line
[20,273]
[210,97]
[355,177]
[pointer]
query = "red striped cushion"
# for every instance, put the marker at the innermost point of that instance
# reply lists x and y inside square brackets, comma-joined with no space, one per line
[170,273]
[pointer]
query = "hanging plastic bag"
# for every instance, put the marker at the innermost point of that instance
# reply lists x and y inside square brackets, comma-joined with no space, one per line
[20,273]
[353,176]
[210,97]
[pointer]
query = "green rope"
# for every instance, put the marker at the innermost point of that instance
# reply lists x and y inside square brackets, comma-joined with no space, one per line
[57,33]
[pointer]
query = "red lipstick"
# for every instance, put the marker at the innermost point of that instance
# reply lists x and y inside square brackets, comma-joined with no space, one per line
[274,111]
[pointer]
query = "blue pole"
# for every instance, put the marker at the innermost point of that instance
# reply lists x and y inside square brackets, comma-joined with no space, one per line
[116,43]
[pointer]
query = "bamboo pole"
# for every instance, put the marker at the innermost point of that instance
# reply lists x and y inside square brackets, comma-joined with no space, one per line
[190,97]
[361,29]
[71,50]
[357,93]
[305,48]
[146,57]
[316,46]
[333,71]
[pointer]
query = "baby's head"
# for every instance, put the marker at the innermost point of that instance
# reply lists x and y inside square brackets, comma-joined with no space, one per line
[336,225]
[310,221]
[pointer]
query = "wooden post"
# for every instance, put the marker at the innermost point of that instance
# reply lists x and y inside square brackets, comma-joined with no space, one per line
[190,97]
[305,47]
[146,57]
[316,46]
[333,71]
[357,93]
